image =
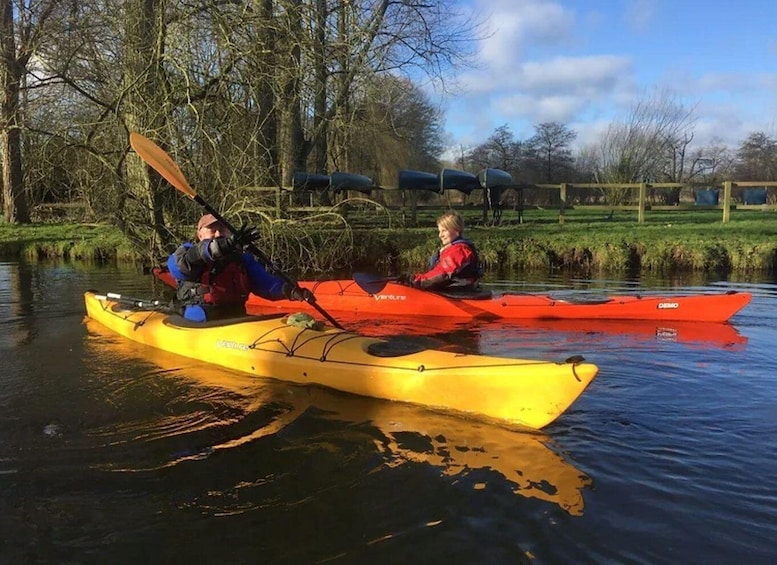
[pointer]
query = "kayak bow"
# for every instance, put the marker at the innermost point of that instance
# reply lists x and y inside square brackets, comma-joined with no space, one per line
[524,392]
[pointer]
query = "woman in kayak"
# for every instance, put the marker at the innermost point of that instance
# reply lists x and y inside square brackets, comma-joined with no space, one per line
[456,265]
[214,275]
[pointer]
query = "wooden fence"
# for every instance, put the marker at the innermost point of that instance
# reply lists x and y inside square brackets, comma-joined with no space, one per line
[643,204]
[640,197]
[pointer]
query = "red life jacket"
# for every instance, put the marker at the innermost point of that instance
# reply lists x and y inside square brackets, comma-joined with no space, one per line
[226,285]
[457,265]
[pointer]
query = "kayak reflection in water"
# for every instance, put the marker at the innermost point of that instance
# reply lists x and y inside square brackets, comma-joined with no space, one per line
[455,266]
[215,275]
[466,453]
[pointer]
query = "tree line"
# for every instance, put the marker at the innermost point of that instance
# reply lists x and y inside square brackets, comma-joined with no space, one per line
[653,143]
[247,92]
[239,93]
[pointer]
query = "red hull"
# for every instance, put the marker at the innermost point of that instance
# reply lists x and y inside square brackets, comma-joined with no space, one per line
[399,300]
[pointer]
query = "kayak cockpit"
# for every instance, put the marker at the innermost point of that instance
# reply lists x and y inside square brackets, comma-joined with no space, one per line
[176,320]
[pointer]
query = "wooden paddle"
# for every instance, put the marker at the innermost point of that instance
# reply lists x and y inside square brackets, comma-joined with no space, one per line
[162,163]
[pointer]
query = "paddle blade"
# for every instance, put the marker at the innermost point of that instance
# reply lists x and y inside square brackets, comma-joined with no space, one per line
[371,284]
[161,162]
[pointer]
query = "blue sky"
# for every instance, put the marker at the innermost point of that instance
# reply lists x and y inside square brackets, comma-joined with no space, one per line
[586,62]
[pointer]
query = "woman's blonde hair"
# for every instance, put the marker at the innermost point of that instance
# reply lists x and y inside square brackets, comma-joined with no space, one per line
[451,221]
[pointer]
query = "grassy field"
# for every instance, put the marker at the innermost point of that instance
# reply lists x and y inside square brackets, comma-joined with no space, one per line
[592,240]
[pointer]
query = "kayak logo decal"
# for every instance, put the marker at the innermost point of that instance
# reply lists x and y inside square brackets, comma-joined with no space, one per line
[668,306]
[226,344]
[390,297]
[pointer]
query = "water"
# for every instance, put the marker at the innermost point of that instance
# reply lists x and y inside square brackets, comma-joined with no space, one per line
[112,452]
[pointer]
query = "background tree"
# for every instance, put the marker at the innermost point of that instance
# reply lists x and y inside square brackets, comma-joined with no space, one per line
[757,157]
[23,28]
[636,149]
[240,94]
[501,151]
[548,152]
[394,126]
[715,163]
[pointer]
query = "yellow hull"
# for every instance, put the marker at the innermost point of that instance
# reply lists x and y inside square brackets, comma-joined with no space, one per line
[518,391]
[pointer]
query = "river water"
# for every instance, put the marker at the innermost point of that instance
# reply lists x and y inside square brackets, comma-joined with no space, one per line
[111,452]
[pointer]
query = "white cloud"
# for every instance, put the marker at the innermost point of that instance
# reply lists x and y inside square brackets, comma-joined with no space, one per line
[559,89]
[589,74]
[584,75]
[582,65]
[516,25]
[543,109]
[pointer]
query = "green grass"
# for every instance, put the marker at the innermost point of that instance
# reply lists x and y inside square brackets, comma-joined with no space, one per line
[677,240]
[90,242]
[591,240]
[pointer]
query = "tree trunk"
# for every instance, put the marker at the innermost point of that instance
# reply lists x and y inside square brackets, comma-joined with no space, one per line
[267,137]
[15,210]
[145,112]
[291,140]
[322,75]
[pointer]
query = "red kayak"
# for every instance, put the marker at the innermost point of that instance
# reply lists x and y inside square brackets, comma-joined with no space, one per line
[381,297]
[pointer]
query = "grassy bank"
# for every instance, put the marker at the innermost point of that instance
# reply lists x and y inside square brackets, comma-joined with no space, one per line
[599,241]
[588,240]
[82,242]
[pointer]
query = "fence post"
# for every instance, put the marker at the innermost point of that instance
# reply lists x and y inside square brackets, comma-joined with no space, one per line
[726,201]
[642,198]
[277,202]
[562,197]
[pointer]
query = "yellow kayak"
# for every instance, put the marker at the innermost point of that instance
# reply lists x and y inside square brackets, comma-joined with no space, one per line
[517,391]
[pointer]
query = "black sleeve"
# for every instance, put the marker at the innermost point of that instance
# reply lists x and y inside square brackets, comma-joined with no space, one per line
[433,282]
[191,260]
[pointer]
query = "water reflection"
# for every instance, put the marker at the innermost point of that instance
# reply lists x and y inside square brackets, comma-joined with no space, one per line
[401,434]
[471,336]
[17,282]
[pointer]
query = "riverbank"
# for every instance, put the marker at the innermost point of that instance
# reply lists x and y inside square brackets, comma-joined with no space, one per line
[82,242]
[593,242]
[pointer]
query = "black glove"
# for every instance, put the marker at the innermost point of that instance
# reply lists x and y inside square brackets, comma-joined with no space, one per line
[246,235]
[234,243]
[297,293]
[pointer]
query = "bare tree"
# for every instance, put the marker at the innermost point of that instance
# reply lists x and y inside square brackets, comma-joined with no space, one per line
[501,150]
[370,38]
[757,157]
[715,163]
[636,149]
[548,150]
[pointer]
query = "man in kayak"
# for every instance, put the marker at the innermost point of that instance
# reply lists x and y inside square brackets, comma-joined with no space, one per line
[214,275]
[455,266]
